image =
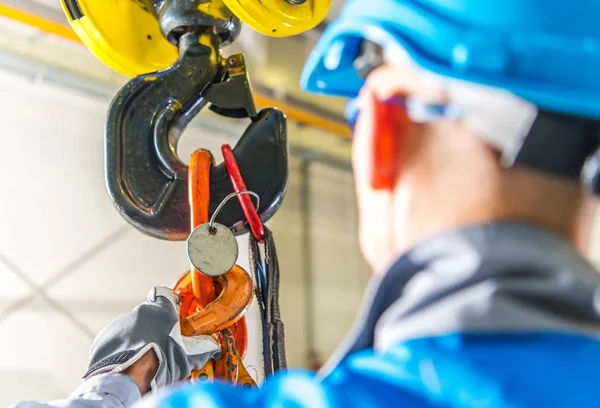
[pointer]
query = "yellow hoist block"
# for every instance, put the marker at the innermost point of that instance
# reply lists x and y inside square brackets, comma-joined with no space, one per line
[280,18]
[126,36]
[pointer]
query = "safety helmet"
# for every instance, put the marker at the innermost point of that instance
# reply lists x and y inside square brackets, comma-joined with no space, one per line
[544,51]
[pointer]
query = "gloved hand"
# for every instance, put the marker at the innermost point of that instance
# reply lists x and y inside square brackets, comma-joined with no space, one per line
[152,325]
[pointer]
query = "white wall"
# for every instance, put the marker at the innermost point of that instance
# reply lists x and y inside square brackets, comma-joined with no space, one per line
[69,263]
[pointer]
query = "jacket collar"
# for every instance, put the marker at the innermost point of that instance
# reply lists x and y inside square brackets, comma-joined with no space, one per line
[498,277]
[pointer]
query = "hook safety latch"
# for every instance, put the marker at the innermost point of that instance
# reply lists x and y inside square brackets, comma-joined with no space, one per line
[146,180]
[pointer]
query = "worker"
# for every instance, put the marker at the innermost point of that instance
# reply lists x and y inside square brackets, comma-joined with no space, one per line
[474,122]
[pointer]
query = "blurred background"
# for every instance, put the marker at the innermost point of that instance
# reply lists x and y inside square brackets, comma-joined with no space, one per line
[69,263]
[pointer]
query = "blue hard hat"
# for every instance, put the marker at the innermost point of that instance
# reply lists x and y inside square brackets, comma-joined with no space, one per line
[545,51]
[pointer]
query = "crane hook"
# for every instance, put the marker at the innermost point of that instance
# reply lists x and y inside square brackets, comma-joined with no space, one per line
[146,180]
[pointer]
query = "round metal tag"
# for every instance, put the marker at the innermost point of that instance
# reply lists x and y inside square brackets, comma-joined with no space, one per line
[212,250]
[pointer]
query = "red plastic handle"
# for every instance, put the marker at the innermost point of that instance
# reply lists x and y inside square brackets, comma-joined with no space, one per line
[256,226]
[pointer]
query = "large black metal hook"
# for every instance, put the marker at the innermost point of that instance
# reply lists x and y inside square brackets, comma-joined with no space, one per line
[146,180]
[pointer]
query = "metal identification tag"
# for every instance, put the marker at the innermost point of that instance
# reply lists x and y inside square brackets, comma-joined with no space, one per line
[212,249]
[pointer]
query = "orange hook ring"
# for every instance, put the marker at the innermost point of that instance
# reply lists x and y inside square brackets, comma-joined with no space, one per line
[199,197]
[199,303]
[229,307]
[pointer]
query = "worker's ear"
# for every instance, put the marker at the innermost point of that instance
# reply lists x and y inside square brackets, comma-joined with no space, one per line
[384,128]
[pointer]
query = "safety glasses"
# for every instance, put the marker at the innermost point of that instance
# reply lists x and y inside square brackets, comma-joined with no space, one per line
[418,110]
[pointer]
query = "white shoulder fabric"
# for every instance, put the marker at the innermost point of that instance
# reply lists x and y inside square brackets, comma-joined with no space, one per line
[499,117]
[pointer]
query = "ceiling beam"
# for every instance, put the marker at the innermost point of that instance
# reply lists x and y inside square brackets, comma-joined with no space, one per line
[33,7]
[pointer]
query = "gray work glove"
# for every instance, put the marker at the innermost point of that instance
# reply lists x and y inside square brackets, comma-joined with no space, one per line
[152,325]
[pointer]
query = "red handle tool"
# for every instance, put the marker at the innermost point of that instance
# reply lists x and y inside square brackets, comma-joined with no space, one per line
[248,208]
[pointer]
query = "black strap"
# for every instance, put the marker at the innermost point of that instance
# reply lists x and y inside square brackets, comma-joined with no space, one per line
[275,324]
[265,273]
[559,144]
